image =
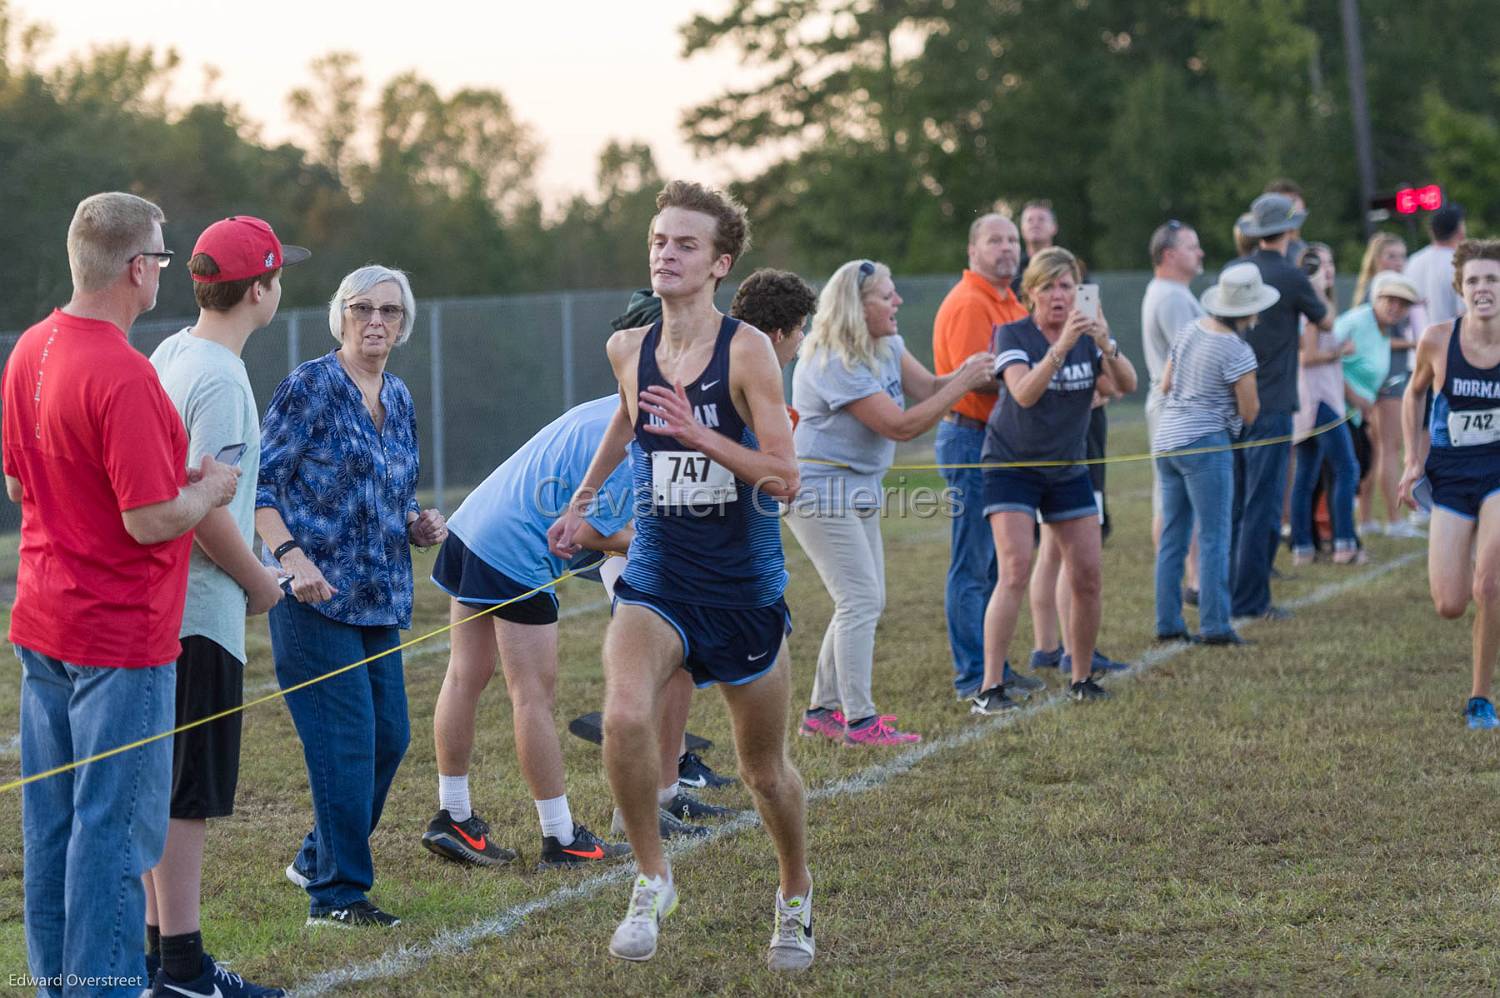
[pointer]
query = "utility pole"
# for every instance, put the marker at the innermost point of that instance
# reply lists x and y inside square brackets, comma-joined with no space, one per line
[1359,107]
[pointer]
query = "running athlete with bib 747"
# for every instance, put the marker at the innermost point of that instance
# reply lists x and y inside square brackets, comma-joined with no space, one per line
[703,586]
[1460,362]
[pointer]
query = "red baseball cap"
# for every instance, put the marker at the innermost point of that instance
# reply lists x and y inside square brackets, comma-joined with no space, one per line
[243,247]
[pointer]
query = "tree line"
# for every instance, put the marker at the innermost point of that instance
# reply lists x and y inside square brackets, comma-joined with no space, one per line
[878,128]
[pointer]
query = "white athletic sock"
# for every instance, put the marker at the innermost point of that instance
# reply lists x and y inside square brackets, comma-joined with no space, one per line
[665,794]
[556,818]
[453,796]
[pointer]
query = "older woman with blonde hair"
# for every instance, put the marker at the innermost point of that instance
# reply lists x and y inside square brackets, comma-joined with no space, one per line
[337,509]
[850,390]
[1049,365]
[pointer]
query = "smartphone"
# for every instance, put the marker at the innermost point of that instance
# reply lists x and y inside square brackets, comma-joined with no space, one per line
[1088,300]
[230,454]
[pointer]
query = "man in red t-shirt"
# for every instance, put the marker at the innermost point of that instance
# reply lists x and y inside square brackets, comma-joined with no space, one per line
[965,325]
[96,455]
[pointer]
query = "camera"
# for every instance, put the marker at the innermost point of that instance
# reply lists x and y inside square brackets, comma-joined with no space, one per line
[1311,262]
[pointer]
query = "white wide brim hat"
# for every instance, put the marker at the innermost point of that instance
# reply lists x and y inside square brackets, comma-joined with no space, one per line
[1240,292]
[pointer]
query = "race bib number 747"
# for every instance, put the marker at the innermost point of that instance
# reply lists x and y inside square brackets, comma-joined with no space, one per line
[690,478]
[1474,427]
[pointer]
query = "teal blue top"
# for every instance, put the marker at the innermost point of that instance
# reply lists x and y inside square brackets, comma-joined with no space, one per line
[1367,367]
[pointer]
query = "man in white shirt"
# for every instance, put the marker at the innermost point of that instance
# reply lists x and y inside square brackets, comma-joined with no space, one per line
[1177,258]
[1431,269]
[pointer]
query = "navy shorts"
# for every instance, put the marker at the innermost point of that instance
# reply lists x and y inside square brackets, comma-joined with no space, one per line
[1461,485]
[719,644]
[477,584]
[1029,491]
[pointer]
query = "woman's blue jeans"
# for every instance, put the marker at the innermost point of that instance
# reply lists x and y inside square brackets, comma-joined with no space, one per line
[1201,487]
[354,731]
[1336,447]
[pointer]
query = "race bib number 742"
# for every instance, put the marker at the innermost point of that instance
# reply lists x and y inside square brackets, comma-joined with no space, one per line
[1474,427]
[690,478]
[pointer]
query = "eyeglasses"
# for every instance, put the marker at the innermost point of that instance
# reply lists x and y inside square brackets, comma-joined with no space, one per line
[364,311]
[162,257]
[866,270]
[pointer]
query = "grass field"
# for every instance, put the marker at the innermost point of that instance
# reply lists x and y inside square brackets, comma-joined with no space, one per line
[1305,815]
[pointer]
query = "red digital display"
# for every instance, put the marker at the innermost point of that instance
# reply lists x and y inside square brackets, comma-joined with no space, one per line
[1410,200]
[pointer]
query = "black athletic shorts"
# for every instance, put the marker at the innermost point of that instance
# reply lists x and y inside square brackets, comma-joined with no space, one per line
[719,645]
[206,759]
[477,584]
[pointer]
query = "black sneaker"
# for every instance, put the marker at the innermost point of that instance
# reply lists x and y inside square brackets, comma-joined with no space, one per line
[360,914]
[585,848]
[689,808]
[991,701]
[466,841]
[213,982]
[1088,690]
[692,771]
[1024,685]
[671,826]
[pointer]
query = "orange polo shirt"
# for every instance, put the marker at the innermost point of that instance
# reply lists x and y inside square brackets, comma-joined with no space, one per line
[965,325]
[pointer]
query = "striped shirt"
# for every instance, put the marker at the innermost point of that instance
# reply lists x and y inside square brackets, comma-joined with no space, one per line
[1205,366]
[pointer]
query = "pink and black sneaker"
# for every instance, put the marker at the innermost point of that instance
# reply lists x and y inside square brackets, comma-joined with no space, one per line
[878,731]
[825,722]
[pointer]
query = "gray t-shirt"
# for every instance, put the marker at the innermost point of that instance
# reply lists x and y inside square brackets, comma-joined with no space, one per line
[1055,427]
[1431,270]
[1205,366]
[1167,307]
[208,385]
[822,386]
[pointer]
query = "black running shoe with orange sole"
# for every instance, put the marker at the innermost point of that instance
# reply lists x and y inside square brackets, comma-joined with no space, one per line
[465,841]
[585,848]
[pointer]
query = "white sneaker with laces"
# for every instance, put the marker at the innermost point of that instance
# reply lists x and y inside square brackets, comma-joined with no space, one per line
[1405,529]
[1371,528]
[651,900]
[792,938]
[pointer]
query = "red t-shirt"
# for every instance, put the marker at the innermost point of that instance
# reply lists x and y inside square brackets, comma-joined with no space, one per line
[90,432]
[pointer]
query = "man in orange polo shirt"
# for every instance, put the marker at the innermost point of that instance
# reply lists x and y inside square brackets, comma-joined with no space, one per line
[965,324]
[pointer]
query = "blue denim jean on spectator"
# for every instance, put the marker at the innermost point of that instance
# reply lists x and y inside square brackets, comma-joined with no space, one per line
[1259,488]
[354,732]
[1336,447]
[1195,487]
[971,564]
[91,832]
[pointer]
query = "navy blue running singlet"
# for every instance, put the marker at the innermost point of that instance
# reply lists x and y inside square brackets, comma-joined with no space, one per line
[1466,412]
[701,535]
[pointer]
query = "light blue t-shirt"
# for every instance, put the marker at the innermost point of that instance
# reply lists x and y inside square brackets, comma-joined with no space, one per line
[822,386]
[504,521]
[208,385]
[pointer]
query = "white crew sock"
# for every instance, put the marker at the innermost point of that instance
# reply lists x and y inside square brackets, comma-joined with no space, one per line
[453,796]
[556,818]
[665,794]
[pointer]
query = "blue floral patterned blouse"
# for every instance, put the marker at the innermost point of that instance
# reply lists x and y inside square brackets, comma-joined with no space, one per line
[343,488]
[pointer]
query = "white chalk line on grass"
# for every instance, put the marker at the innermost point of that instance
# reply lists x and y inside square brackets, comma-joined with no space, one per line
[405,959]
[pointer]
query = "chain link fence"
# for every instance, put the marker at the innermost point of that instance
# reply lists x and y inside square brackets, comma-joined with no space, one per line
[487,373]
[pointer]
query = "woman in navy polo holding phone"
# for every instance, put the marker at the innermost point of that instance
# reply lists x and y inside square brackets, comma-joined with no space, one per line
[1049,365]
[337,508]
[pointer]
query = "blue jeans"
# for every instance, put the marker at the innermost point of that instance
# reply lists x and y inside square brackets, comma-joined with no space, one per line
[1195,486]
[354,732]
[1259,487]
[91,832]
[1336,447]
[971,566]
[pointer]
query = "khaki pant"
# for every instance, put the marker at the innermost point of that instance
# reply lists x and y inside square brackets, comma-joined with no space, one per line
[846,550]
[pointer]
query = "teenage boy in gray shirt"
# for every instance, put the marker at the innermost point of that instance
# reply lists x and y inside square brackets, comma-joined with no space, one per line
[236,270]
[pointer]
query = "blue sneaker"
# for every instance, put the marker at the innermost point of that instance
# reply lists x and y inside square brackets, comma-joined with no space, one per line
[1481,713]
[213,982]
[1100,663]
[1046,659]
[1025,685]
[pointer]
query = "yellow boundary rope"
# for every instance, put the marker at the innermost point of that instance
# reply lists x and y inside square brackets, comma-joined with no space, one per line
[281,694]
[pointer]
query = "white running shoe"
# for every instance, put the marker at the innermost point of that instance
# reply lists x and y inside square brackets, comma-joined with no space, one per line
[296,876]
[1405,529]
[1371,528]
[651,900]
[792,938]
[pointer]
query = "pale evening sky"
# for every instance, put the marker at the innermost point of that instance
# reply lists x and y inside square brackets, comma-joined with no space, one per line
[580,73]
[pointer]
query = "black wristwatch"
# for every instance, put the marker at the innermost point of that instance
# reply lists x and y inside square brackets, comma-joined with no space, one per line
[282,549]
